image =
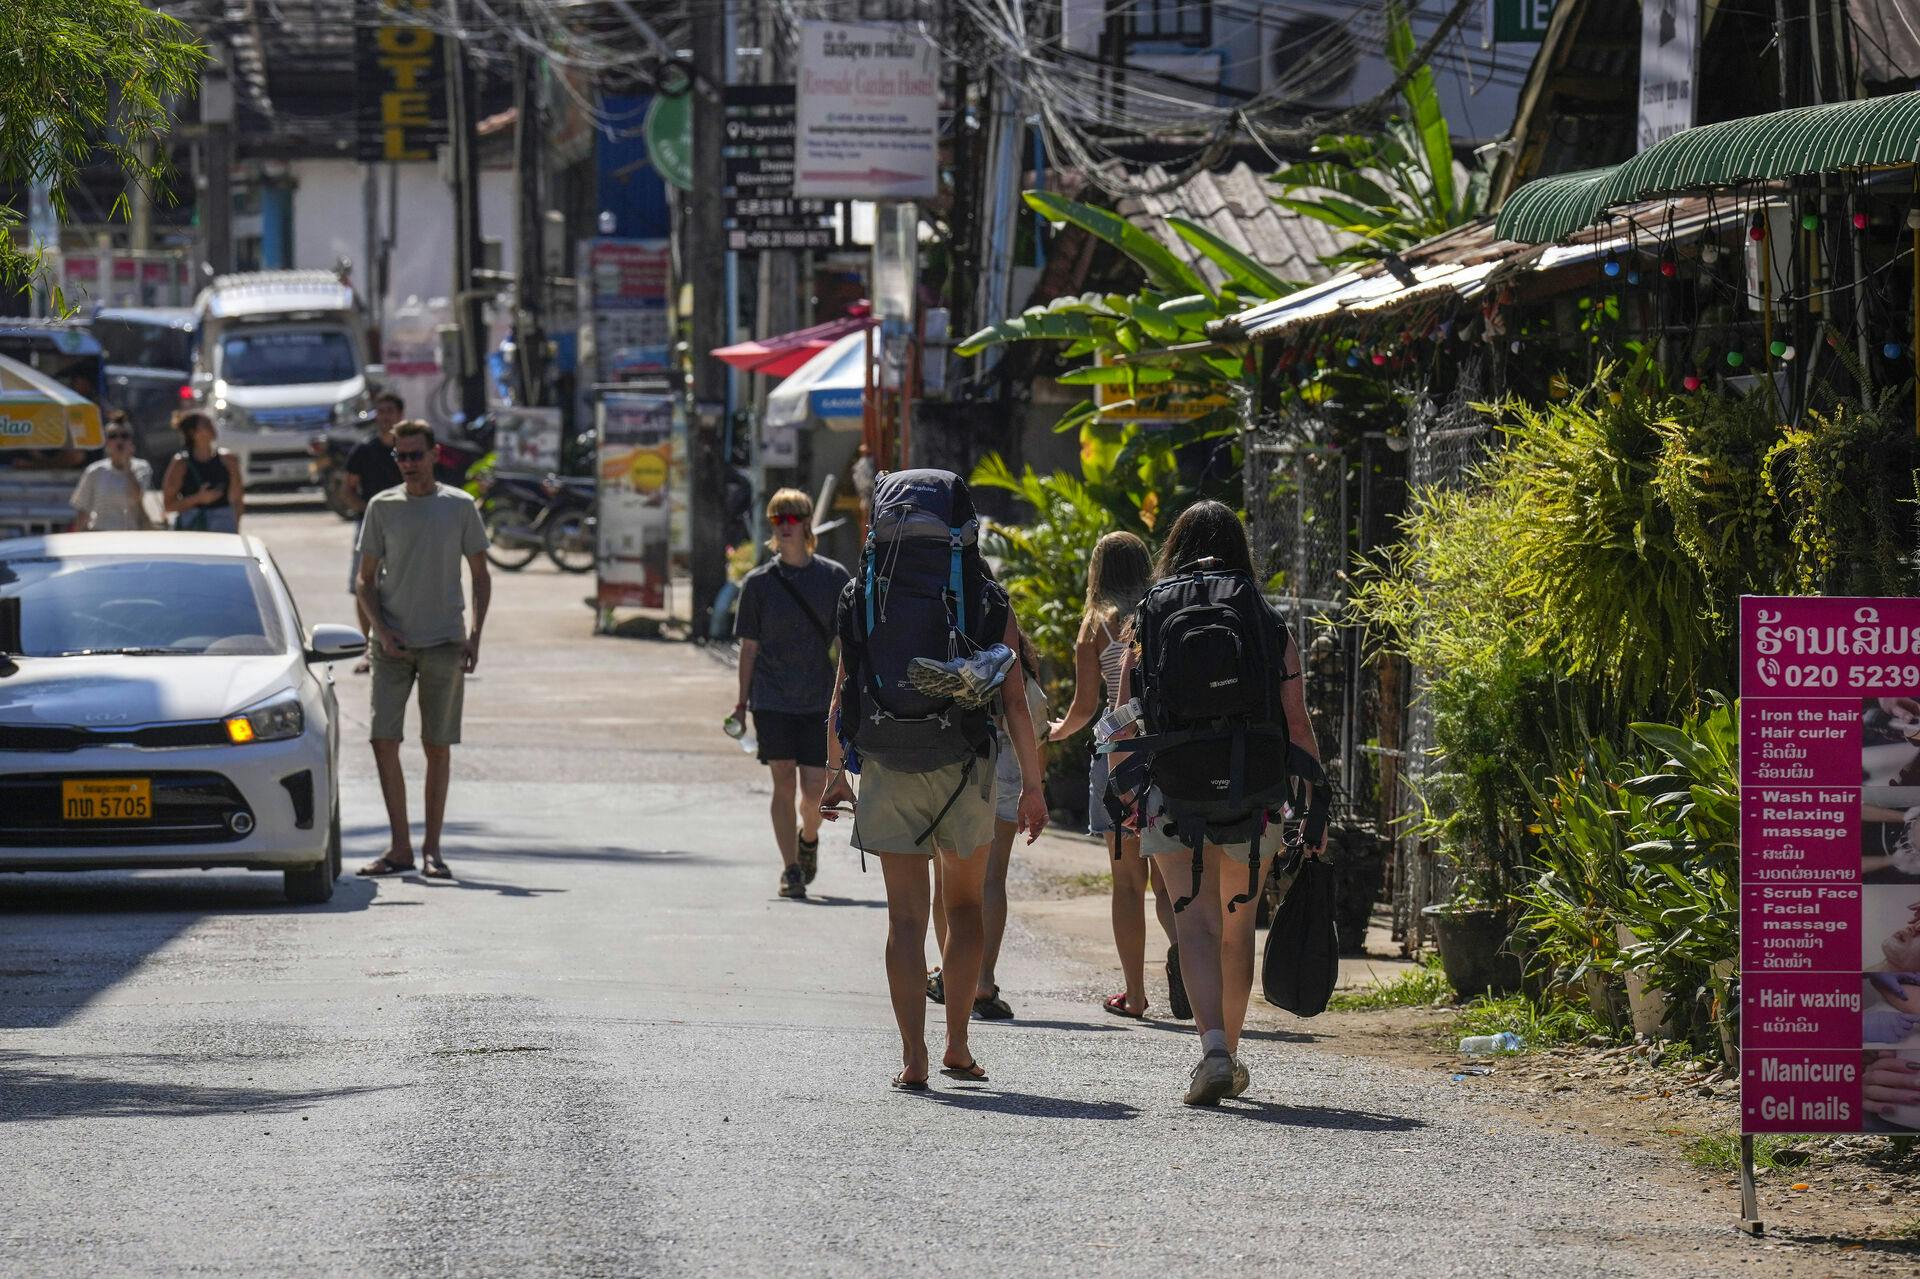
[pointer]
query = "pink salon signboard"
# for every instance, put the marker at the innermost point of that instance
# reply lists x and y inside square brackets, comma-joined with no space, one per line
[1830,865]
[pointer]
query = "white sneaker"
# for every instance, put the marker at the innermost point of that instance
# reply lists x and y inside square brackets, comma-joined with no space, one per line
[970,681]
[1212,1079]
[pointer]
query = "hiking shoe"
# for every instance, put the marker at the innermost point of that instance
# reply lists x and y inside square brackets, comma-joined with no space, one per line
[968,681]
[793,883]
[1177,988]
[809,852]
[1242,1078]
[1212,1079]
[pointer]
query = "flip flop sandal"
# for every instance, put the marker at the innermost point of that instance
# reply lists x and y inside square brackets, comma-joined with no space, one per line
[434,868]
[901,1082]
[992,1007]
[1117,1005]
[936,987]
[973,1072]
[383,866]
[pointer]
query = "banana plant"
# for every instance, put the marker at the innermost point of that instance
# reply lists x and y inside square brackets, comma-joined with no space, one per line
[1394,189]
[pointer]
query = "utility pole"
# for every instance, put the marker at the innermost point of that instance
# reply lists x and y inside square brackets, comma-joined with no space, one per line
[465,178]
[706,262]
[216,126]
[529,273]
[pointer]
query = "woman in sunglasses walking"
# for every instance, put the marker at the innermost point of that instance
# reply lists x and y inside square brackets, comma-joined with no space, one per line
[786,676]
[112,493]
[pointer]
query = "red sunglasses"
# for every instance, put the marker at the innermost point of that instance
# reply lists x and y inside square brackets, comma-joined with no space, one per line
[783,520]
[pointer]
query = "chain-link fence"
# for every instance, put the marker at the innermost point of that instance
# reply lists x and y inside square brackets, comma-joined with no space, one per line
[1447,439]
[1313,511]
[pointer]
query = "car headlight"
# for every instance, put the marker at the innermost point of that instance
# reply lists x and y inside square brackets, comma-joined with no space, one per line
[273,720]
[349,412]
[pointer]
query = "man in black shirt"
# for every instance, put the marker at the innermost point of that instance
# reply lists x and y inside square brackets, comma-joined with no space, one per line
[370,470]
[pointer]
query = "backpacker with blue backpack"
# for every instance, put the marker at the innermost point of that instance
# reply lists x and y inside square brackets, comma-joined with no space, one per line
[1217,751]
[922,592]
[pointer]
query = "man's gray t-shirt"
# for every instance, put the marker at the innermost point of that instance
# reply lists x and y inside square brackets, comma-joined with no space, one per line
[420,542]
[792,673]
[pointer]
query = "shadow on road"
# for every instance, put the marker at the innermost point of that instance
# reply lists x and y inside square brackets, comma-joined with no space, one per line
[1037,1023]
[71,936]
[821,899]
[1269,1112]
[504,846]
[39,1089]
[1031,1105]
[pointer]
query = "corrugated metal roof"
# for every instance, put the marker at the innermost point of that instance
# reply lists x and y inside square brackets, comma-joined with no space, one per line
[1467,262]
[1236,205]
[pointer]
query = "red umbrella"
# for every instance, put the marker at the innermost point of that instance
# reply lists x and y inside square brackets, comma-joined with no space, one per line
[779,356]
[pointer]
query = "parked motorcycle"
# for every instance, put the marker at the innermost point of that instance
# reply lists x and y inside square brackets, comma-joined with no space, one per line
[525,515]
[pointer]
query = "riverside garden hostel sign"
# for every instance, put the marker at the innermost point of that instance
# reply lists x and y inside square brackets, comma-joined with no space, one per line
[1829,864]
[400,76]
[866,113]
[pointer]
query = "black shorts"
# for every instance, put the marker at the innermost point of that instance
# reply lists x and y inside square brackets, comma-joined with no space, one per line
[800,738]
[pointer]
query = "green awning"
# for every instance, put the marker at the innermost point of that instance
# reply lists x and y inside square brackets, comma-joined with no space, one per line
[1548,209]
[1783,144]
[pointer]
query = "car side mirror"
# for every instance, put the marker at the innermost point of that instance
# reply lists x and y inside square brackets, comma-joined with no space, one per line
[330,643]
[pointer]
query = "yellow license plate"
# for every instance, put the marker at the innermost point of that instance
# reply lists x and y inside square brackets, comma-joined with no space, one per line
[123,799]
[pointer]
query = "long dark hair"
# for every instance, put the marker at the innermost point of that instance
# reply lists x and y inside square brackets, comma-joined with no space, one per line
[1205,530]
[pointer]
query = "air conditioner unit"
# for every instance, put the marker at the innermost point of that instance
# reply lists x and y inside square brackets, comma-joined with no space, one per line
[1309,57]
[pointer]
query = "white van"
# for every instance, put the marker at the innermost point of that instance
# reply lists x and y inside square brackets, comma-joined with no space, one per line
[280,356]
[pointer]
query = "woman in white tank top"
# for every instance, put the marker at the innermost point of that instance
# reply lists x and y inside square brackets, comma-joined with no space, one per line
[1117,580]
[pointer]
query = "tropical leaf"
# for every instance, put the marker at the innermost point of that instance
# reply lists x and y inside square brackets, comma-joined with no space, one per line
[1115,375]
[1061,320]
[1241,268]
[1163,269]
[1423,103]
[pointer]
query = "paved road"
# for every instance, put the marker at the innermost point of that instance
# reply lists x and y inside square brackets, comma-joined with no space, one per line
[612,1050]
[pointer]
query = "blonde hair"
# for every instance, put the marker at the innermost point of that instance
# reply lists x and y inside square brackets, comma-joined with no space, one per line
[791,502]
[1118,576]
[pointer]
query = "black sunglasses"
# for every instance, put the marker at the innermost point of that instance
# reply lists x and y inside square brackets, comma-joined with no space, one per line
[119,435]
[409,455]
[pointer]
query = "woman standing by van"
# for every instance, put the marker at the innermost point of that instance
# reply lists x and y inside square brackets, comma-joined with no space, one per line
[203,490]
[1117,580]
[1216,943]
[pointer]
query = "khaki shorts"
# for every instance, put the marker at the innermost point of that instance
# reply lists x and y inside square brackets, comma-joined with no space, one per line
[895,807]
[442,689]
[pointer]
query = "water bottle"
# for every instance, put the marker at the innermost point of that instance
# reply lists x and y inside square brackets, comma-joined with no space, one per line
[1487,1045]
[734,726]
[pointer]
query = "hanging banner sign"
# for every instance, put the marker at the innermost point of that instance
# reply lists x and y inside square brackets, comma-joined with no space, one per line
[1669,38]
[1829,864]
[867,113]
[643,501]
[400,74]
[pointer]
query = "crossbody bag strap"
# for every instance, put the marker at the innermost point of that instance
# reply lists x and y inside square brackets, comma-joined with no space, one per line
[820,627]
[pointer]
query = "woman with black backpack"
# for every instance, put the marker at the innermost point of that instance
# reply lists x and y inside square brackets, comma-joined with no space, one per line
[1206,555]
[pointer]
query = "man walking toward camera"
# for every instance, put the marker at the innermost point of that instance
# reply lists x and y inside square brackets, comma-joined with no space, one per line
[112,493]
[786,676]
[411,545]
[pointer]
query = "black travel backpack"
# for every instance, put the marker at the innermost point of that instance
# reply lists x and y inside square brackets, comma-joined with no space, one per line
[922,591]
[1217,747]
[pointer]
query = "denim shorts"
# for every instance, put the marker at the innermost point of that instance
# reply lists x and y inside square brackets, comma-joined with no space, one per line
[1006,780]
[1098,823]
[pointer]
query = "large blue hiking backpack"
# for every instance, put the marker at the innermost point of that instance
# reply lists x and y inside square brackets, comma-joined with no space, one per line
[1218,749]
[922,591]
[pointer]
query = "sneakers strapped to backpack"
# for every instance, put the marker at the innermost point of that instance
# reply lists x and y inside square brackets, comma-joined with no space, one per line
[1217,749]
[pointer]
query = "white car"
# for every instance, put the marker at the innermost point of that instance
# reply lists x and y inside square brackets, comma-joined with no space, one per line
[161,706]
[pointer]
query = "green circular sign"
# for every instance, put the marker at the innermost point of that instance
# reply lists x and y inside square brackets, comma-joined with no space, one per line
[669,133]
